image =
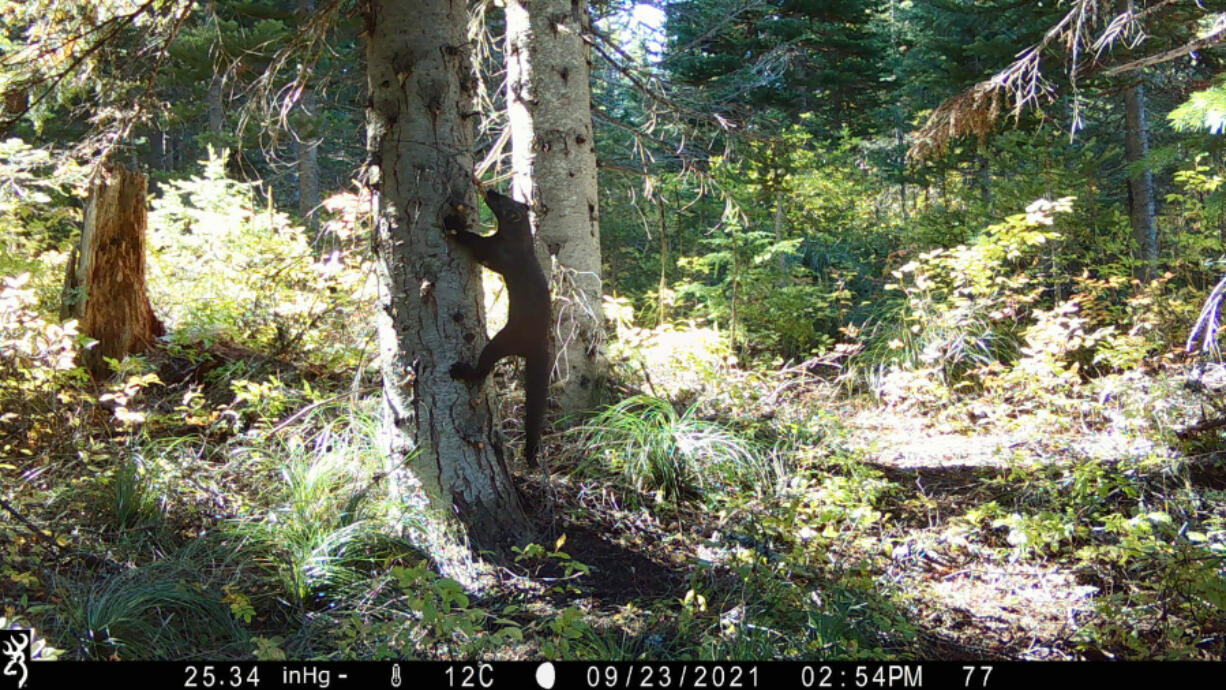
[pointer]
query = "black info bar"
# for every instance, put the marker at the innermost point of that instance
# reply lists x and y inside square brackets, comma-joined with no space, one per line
[599,675]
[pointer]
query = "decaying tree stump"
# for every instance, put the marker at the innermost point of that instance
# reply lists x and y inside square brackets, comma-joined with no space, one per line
[105,285]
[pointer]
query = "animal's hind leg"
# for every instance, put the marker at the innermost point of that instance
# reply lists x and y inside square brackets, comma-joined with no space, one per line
[499,346]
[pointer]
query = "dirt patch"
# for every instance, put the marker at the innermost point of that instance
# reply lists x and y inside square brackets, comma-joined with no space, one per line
[1020,611]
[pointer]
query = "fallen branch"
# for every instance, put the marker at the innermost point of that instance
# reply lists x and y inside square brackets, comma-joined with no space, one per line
[1202,427]
[288,421]
[1208,323]
[49,538]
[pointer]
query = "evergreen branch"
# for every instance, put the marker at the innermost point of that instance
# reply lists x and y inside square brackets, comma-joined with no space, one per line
[1022,84]
[113,27]
[715,28]
[641,87]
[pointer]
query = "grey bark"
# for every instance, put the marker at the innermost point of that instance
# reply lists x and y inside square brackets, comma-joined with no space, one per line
[308,184]
[901,163]
[420,142]
[155,154]
[554,163]
[306,144]
[213,104]
[662,288]
[983,177]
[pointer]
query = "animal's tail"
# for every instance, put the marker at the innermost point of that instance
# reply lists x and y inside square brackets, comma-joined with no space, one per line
[536,393]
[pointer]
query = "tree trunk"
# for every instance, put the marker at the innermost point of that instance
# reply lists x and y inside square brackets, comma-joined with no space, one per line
[900,152]
[153,153]
[105,285]
[215,109]
[306,146]
[662,288]
[554,163]
[983,177]
[1140,184]
[781,261]
[420,142]
[174,148]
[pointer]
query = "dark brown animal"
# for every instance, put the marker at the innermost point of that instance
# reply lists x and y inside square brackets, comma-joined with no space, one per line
[509,251]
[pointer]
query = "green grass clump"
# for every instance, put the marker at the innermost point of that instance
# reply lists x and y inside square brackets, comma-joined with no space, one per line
[658,450]
[164,610]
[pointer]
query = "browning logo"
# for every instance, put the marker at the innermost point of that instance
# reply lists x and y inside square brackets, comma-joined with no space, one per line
[15,652]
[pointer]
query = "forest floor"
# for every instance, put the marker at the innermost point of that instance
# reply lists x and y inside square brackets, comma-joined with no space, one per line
[973,604]
[984,602]
[894,533]
[966,596]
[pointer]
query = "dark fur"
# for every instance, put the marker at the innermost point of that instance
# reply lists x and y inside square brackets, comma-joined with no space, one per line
[509,251]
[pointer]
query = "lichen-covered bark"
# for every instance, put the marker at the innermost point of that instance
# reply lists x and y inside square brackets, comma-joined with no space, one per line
[419,134]
[105,288]
[554,162]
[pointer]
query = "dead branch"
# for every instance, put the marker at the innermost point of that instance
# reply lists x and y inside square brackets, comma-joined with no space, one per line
[1214,36]
[1022,84]
[1208,323]
[1201,427]
[85,45]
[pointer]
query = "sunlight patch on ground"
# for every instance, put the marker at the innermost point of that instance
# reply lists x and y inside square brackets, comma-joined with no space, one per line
[911,441]
[1024,607]
[908,442]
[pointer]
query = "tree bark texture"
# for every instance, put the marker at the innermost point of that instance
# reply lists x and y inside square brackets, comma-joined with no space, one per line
[16,101]
[553,157]
[662,288]
[430,313]
[213,105]
[105,287]
[308,184]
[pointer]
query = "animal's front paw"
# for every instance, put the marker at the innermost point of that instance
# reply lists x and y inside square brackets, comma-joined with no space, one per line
[454,223]
[461,370]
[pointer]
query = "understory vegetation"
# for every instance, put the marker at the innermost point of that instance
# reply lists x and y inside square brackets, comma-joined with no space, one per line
[983,445]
